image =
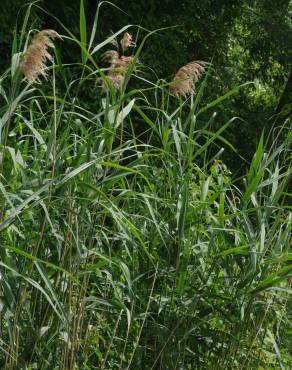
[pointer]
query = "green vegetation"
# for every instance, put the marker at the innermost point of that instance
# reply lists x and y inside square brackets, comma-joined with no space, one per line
[126,240]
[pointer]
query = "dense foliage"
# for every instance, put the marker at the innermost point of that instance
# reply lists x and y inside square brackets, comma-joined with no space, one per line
[245,41]
[127,242]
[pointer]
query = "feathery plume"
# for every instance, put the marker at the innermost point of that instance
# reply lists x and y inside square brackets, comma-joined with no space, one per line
[127,42]
[117,71]
[110,56]
[36,56]
[118,65]
[115,79]
[186,77]
[122,63]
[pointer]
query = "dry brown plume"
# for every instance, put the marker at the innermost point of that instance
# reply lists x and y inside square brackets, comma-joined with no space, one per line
[186,77]
[115,79]
[122,63]
[116,73]
[118,66]
[110,56]
[127,42]
[36,56]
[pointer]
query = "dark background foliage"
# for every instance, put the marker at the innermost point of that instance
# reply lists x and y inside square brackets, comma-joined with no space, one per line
[244,40]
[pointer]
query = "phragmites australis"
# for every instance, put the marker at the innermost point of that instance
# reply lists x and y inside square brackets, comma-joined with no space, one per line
[118,65]
[115,79]
[36,56]
[122,63]
[116,74]
[110,56]
[186,77]
[127,42]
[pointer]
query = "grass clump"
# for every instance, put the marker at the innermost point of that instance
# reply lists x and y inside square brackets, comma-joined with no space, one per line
[125,240]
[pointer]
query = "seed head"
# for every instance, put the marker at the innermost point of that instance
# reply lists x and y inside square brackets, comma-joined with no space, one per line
[115,79]
[36,56]
[110,56]
[117,70]
[127,42]
[118,64]
[122,63]
[186,77]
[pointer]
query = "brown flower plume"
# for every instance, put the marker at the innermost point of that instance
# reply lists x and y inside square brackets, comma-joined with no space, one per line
[118,65]
[186,77]
[127,42]
[116,74]
[110,56]
[36,56]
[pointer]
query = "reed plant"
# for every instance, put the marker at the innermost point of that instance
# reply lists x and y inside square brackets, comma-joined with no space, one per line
[126,242]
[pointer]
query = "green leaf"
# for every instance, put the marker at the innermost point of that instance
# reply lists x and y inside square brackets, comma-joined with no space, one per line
[83,32]
[240,250]
[124,112]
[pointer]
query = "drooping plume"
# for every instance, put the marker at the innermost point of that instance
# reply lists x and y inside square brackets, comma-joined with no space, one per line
[36,56]
[186,77]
